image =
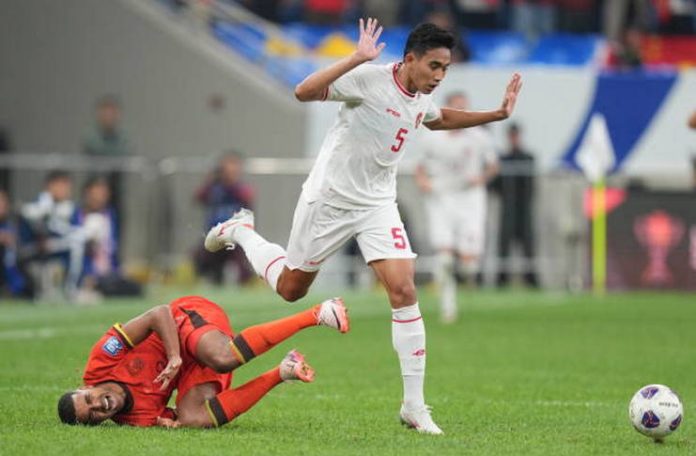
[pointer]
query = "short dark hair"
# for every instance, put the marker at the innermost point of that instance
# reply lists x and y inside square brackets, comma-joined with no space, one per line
[57,174]
[425,37]
[93,181]
[66,408]
[514,128]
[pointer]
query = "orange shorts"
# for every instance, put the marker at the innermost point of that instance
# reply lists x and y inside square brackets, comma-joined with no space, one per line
[195,316]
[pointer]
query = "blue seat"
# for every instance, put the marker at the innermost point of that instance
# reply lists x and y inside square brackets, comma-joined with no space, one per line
[497,48]
[290,70]
[243,39]
[565,49]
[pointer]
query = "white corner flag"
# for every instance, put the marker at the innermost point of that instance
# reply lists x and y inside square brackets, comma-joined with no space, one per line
[596,154]
[596,158]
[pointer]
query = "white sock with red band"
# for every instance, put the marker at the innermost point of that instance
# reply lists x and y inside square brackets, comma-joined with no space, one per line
[408,339]
[266,258]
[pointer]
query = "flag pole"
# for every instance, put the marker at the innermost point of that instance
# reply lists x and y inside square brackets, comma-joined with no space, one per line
[599,237]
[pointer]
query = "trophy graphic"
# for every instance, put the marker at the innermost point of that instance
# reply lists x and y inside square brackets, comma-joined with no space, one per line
[659,233]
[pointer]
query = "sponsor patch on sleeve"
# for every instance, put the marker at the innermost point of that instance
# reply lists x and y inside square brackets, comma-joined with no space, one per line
[112,346]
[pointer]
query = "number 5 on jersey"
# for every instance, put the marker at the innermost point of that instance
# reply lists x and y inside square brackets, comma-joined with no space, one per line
[400,138]
[399,238]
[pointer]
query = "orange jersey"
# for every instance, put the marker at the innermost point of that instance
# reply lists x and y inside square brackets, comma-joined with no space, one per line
[114,359]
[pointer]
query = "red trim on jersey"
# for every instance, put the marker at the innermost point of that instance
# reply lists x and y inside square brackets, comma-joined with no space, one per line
[407,321]
[265,274]
[398,83]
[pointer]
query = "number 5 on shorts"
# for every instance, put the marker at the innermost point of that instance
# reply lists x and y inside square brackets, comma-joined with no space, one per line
[400,240]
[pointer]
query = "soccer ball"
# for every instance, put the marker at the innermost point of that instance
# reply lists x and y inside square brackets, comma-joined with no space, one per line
[655,411]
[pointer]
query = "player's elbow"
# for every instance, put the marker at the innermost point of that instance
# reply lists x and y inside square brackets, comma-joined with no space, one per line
[304,93]
[301,93]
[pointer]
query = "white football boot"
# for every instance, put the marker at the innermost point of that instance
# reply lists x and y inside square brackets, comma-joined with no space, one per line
[221,236]
[420,420]
[294,367]
[333,313]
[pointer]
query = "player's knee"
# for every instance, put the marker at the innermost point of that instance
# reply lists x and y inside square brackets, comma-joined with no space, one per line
[403,294]
[198,418]
[292,292]
[223,362]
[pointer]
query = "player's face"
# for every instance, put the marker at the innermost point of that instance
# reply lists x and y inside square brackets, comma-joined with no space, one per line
[60,189]
[94,404]
[97,197]
[428,70]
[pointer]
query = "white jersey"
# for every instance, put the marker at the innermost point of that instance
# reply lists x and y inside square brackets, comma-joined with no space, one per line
[379,119]
[453,158]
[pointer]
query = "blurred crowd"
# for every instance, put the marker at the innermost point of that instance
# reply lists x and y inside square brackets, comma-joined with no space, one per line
[531,17]
[624,23]
[57,246]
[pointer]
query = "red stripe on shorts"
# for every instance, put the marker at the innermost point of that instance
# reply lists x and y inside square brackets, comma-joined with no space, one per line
[406,321]
[265,274]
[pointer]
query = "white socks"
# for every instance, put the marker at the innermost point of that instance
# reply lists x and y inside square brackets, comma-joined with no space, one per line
[266,258]
[446,284]
[408,339]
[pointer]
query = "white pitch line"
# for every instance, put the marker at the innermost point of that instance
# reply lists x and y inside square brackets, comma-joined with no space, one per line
[31,388]
[48,333]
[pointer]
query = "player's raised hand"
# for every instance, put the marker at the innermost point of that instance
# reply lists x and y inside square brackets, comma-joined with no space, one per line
[513,89]
[169,372]
[368,49]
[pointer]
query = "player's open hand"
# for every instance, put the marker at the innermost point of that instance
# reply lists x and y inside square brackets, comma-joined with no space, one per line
[368,49]
[167,423]
[513,89]
[169,372]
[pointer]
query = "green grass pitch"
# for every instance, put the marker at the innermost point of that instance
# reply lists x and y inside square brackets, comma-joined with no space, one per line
[521,373]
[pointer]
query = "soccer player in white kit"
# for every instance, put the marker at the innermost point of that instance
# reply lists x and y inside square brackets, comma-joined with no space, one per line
[453,171]
[351,190]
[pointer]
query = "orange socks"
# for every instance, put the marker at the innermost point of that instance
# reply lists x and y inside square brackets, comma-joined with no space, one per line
[258,339]
[229,404]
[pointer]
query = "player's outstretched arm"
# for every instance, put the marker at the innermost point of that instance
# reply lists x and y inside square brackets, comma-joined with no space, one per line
[692,121]
[452,119]
[315,85]
[160,320]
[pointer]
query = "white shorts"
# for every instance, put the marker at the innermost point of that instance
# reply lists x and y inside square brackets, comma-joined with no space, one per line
[319,230]
[458,223]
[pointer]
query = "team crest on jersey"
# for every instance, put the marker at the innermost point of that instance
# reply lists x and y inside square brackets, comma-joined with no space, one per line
[419,119]
[112,346]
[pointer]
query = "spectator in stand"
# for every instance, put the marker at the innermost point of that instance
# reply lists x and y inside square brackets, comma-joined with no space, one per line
[533,18]
[101,275]
[386,12]
[620,15]
[412,12]
[626,54]
[325,12]
[4,172]
[107,139]
[577,16]
[223,194]
[516,187]
[479,14]
[267,9]
[12,281]
[46,234]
